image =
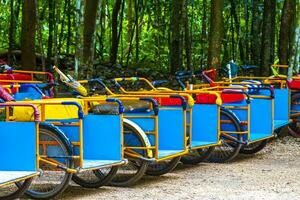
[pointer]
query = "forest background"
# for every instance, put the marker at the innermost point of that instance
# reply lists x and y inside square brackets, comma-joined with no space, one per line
[152,38]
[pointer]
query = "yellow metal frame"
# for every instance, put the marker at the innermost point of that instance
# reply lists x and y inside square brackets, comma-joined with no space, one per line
[32,73]
[43,117]
[186,93]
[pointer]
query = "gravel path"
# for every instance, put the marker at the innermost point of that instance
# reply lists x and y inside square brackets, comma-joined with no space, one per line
[273,173]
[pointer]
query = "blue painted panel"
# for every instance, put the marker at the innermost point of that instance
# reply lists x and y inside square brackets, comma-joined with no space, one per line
[261,119]
[205,125]
[102,137]
[27,95]
[72,132]
[281,104]
[171,129]
[242,115]
[147,124]
[281,107]
[18,146]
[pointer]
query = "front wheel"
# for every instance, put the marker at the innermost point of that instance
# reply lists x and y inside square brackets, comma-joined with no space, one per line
[162,167]
[96,178]
[230,143]
[196,156]
[253,147]
[52,180]
[294,129]
[12,191]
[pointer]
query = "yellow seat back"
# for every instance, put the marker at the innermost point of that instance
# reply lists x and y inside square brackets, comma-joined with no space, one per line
[54,110]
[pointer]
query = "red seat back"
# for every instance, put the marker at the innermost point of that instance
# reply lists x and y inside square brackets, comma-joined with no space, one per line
[294,84]
[226,98]
[167,101]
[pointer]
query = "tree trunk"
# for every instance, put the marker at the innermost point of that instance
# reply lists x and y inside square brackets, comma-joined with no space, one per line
[102,30]
[203,33]
[62,29]
[51,21]
[176,58]
[157,22]
[28,35]
[11,35]
[215,34]
[55,32]
[137,39]
[187,36]
[78,39]
[40,37]
[114,37]
[120,34]
[130,21]
[69,27]
[237,30]
[90,15]
[255,33]
[268,37]
[287,30]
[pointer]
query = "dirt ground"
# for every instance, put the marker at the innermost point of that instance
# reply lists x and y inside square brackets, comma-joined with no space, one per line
[273,173]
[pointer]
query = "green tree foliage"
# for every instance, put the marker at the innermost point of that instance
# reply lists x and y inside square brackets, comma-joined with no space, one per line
[144,33]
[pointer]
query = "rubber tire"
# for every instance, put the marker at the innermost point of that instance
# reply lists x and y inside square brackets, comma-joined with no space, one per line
[21,190]
[236,147]
[196,159]
[141,171]
[168,167]
[252,150]
[66,145]
[292,128]
[101,180]
[293,133]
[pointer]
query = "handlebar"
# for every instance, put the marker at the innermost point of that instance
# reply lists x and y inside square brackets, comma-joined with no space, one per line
[132,79]
[270,88]
[158,82]
[80,111]
[183,100]
[121,106]
[183,75]
[154,104]
[99,82]
[49,75]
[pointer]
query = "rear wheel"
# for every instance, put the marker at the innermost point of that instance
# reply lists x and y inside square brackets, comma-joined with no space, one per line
[294,129]
[196,156]
[231,143]
[136,167]
[96,178]
[253,147]
[12,191]
[162,167]
[52,180]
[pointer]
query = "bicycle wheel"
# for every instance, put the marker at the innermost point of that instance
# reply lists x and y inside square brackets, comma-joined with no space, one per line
[12,191]
[95,178]
[254,147]
[196,156]
[229,148]
[134,170]
[52,181]
[294,128]
[162,167]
